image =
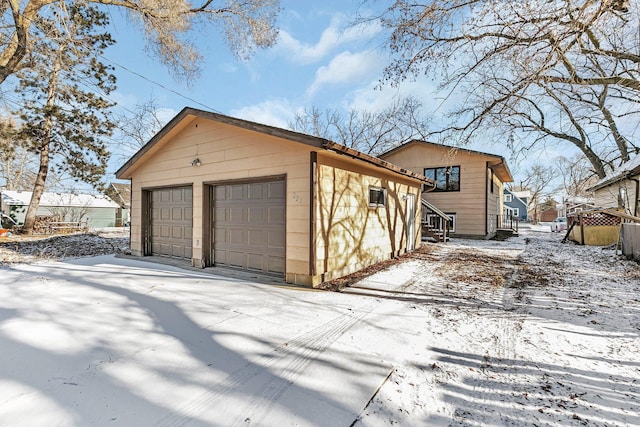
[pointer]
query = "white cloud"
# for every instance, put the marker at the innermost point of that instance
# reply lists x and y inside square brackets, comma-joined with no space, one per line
[274,112]
[346,67]
[375,98]
[338,33]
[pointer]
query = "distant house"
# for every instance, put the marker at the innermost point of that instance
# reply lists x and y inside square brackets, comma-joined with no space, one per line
[97,211]
[575,204]
[121,194]
[548,214]
[218,191]
[619,189]
[515,206]
[469,184]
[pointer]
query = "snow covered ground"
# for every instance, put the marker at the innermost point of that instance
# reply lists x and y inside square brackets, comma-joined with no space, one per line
[523,332]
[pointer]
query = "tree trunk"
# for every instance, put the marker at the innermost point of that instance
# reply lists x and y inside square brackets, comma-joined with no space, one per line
[45,147]
[38,189]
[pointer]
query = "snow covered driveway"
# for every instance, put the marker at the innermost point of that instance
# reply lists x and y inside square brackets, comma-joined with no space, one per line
[106,341]
[523,332]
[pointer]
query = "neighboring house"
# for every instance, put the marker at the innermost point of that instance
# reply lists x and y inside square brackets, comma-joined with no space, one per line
[619,189]
[527,197]
[514,205]
[548,214]
[468,184]
[573,205]
[220,191]
[121,194]
[97,211]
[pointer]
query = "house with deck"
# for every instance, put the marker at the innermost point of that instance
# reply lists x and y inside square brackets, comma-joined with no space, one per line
[468,185]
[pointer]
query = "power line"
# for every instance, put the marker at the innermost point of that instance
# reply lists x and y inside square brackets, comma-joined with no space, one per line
[135,73]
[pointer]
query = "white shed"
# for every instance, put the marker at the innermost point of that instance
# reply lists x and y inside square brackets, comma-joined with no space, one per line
[96,210]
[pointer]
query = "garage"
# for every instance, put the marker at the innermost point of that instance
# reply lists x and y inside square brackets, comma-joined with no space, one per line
[249,226]
[171,222]
[233,194]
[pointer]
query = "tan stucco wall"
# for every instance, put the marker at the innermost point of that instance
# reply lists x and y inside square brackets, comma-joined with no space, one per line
[349,233]
[474,199]
[228,153]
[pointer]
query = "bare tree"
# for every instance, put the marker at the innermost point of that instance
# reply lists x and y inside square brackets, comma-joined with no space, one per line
[555,71]
[369,132]
[66,209]
[538,180]
[134,130]
[165,24]
[576,174]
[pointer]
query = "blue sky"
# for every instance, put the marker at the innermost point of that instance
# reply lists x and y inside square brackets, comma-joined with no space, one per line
[320,60]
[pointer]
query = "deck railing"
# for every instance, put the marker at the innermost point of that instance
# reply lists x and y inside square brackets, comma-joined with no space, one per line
[507,222]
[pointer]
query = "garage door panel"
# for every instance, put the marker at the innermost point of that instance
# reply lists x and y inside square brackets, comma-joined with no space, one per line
[276,215]
[176,214]
[236,192]
[275,240]
[171,222]
[256,238]
[237,215]
[249,226]
[236,259]
[276,190]
[236,237]
[276,264]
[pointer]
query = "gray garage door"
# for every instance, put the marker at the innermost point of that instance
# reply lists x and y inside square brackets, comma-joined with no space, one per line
[249,226]
[171,222]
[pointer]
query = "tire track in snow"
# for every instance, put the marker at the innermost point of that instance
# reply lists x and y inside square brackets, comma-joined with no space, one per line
[303,349]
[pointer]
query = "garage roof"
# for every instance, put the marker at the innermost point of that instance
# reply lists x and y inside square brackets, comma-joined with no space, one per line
[321,143]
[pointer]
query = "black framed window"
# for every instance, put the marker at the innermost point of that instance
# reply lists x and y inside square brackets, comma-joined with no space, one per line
[446,178]
[377,197]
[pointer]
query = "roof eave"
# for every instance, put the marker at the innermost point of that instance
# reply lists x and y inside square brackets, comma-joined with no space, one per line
[125,171]
[329,145]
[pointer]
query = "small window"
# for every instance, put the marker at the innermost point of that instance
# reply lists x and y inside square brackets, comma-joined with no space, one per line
[516,212]
[377,197]
[507,198]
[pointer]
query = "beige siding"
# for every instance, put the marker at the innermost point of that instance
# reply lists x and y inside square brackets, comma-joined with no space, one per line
[474,200]
[349,233]
[609,197]
[228,153]
[495,203]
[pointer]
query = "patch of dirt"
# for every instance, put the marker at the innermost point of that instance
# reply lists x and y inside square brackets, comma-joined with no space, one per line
[424,252]
[18,249]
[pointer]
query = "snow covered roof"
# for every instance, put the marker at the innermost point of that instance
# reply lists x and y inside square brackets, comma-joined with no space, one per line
[627,169]
[22,198]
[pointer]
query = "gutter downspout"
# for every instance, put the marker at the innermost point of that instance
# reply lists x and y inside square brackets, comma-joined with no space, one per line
[637,197]
[486,200]
[312,220]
